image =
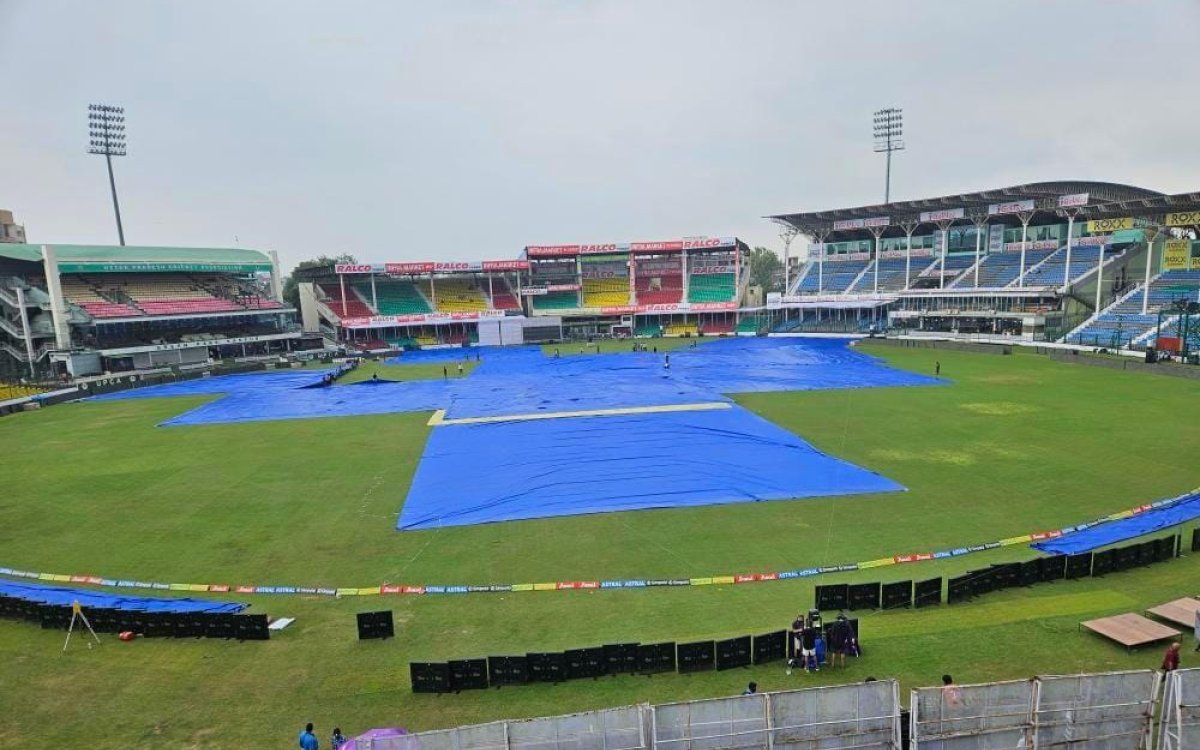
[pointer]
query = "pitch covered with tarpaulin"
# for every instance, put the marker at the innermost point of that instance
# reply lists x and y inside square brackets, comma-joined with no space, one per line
[1181,510]
[64,597]
[480,473]
[531,435]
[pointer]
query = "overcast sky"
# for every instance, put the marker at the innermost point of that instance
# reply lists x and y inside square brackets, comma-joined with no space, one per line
[467,130]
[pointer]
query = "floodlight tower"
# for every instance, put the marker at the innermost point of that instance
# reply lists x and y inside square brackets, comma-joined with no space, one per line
[889,126]
[106,128]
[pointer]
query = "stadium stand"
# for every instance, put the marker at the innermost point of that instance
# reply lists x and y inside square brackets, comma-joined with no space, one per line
[353,307]
[502,295]
[605,292]
[891,275]
[751,324]
[556,301]
[1001,269]
[717,328]
[454,294]
[395,297]
[836,277]
[682,329]
[648,329]
[1052,271]
[660,289]
[711,287]
[1123,323]
[78,291]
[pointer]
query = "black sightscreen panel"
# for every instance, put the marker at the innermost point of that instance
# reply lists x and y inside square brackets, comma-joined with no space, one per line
[468,674]
[621,658]
[545,667]
[983,581]
[1031,571]
[696,657]
[959,589]
[430,677]
[864,595]
[507,670]
[1148,552]
[1007,575]
[1127,557]
[656,657]
[1167,547]
[734,652]
[1196,540]
[1079,565]
[770,647]
[927,593]
[1104,562]
[897,595]
[1054,568]
[833,596]
[584,662]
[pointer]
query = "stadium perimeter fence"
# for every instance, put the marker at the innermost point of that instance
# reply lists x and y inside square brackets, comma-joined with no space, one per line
[1104,711]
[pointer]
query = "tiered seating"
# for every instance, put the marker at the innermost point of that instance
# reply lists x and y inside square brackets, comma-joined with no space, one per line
[648,329]
[455,294]
[751,324]
[166,294]
[556,301]
[395,297]
[1123,323]
[955,265]
[660,288]
[1002,269]
[682,329]
[605,292]
[425,340]
[75,289]
[402,342]
[1050,273]
[9,391]
[354,307]
[717,328]
[711,287]
[257,302]
[502,295]
[837,277]
[891,276]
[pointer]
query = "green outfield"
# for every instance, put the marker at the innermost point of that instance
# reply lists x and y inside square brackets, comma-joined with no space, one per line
[1014,444]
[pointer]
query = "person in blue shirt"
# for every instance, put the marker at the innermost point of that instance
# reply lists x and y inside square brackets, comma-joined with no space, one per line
[337,740]
[308,740]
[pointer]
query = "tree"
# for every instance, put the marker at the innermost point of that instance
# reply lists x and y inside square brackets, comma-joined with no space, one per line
[291,286]
[765,269]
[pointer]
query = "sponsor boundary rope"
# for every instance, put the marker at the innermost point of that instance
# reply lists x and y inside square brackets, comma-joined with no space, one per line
[401,588]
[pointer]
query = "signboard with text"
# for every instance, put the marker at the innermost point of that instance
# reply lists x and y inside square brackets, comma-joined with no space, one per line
[643,248]
[946,214]
[1073,200]
[1014,207]
[875,221]
[1183,219]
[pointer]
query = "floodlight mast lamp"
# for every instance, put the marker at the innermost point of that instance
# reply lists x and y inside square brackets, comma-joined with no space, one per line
[889,127]
[106,132]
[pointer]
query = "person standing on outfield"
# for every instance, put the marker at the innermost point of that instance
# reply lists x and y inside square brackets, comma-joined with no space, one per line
[308,740]
[460,369]
[1171,658]
[937,368]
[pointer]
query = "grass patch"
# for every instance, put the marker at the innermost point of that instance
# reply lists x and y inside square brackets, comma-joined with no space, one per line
[97,488]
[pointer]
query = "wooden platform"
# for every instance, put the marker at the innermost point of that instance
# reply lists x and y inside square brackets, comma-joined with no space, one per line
[1181,611]
[1130,630]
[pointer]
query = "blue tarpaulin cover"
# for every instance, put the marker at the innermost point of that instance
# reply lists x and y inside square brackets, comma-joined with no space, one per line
[1182,510]
[519,468]
[88,599]
[505,471]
